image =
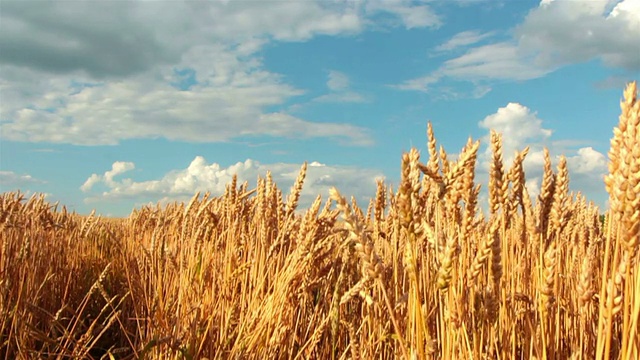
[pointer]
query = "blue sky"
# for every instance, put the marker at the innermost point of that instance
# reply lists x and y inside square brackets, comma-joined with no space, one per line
[111,105]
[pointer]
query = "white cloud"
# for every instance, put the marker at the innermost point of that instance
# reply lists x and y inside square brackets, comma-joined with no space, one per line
[118,167]
[90,182]
[422,84]
[342,97]
[587,168]
[66,36]
[552,35]
[411,14]
[462,39]
[521,127]
[337,81]
[565,32]
[170,71]
[476,91]
[497,61]
[503,60]
[203,176]
[227,102]
[340,92]
[533,186]
[480,91]
[281,124]
[588,161]
[10,179]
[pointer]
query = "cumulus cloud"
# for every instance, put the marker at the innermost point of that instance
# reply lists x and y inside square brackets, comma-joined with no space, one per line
[552,35]
[118,167]
[518,124]
[588,161]
[90,182]
[533,186]
[521,127]
[201,176]
[587,168]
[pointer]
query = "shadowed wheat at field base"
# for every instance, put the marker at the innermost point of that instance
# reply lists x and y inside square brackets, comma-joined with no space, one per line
[418,273]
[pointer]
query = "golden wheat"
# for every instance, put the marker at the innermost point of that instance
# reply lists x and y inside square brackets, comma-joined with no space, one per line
[422,273]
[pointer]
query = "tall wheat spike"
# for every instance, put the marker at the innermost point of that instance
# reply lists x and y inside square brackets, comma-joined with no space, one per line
[421,273]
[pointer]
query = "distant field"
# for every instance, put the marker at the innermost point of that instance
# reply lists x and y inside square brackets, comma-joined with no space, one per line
[418,273]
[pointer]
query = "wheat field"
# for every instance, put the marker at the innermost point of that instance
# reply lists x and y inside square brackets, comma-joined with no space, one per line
[421,272]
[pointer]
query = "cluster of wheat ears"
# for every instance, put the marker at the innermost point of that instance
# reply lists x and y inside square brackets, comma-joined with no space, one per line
[421,273]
